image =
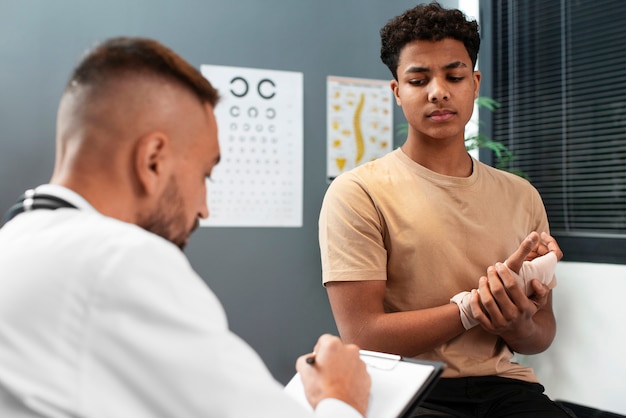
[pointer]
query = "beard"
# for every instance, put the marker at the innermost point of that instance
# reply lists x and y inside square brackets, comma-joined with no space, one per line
[167,220]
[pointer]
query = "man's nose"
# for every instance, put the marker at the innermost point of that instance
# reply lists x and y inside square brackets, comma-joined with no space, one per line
[438,91]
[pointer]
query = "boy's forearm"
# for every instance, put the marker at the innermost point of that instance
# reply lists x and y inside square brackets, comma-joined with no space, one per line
[536,336]
[407,333]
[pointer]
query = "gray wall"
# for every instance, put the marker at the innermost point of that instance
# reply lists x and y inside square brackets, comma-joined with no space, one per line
[267,278]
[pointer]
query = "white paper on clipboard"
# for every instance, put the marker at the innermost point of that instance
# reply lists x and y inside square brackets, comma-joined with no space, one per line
[398,384]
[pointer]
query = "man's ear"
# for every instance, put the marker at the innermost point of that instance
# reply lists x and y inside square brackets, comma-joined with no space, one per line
[476,76]
[394,88]
[150,162]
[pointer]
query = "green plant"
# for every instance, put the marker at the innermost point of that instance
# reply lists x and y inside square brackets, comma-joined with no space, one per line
[504,156]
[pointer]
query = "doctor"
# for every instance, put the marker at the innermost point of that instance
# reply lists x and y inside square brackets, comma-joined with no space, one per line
[101,314]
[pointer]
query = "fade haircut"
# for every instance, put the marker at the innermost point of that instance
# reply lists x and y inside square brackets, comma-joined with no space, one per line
[429,22]
[117,57]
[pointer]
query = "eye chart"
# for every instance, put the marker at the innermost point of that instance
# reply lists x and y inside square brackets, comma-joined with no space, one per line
[258,182]
[359,122]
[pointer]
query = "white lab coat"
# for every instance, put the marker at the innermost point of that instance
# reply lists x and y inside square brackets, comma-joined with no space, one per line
[99,318]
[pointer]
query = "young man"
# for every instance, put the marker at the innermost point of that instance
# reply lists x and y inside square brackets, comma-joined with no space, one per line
[101,314]
[404,236]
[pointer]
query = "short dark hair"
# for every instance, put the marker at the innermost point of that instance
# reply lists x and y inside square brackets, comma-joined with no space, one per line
[116,57]
[429,22]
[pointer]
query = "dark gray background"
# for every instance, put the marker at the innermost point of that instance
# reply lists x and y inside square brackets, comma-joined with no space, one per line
[267,278]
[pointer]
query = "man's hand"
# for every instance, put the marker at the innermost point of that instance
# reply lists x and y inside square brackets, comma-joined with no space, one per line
[527,250]
[338,372]
[502,308]
[534,260]
[532,248]
[501,304]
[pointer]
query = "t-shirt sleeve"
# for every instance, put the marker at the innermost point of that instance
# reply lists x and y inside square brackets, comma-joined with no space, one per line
[351,233]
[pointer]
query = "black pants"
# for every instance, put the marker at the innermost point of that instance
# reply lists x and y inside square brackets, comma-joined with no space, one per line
[489,396]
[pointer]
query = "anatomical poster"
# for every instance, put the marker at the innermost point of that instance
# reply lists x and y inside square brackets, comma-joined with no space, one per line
[359,122]
[258,182]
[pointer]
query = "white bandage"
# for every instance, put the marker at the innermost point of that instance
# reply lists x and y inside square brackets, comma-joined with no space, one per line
[541,268]
[463,301]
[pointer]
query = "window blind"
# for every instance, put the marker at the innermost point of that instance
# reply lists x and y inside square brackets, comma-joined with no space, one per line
[559,72]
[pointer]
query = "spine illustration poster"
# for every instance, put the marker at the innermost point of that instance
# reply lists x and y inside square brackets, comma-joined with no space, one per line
[258,182]
[359,122]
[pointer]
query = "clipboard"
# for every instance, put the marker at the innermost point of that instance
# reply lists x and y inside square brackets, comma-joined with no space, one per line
[399,384]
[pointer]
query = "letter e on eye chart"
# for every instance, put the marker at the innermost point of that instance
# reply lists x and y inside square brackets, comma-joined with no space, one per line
[258,182]
[358,122]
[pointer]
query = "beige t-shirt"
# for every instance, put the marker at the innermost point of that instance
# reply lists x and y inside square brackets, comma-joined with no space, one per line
[430,236]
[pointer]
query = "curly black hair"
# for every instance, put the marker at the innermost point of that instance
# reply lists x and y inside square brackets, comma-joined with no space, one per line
[429,22]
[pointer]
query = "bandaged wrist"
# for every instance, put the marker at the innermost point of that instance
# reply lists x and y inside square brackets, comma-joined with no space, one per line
[541,268]
[462,299]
